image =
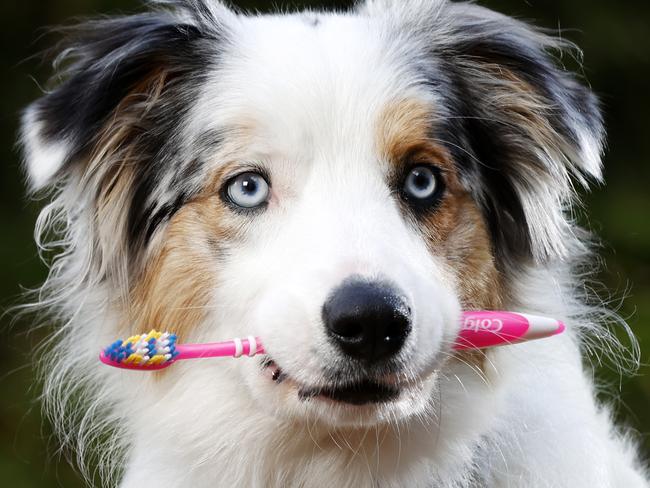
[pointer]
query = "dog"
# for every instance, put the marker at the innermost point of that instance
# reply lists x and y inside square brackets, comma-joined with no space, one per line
[342,185]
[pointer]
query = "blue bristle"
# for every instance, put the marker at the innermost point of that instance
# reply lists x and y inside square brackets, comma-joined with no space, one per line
[120,350]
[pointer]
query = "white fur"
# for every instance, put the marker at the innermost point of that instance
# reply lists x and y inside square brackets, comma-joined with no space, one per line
[313,97]
[44,158]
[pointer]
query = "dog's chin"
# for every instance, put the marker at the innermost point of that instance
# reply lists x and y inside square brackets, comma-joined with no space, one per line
[355,403]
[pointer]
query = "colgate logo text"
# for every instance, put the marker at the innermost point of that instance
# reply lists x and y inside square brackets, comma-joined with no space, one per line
[478,324]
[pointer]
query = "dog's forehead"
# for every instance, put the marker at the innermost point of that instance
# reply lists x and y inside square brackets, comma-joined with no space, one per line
[299,81]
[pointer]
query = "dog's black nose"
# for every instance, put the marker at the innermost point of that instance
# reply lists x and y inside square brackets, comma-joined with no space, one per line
[368,320]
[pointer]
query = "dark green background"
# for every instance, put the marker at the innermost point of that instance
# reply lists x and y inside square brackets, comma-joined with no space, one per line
[616,41]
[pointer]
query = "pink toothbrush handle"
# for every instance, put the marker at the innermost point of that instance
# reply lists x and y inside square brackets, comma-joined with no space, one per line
[479,329]
[483,329]
[234,348]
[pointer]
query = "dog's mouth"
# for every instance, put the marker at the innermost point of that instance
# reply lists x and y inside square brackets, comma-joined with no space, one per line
[360,393]
[363,392]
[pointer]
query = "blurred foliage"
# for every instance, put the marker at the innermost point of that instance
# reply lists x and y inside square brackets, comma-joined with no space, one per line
[614,36]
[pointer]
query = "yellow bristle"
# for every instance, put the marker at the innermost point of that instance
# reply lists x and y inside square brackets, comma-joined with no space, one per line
[157,359]
[132,339]
[153,334]
[134,358]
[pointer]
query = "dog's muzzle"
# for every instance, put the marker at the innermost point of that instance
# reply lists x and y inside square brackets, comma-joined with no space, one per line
[367,323]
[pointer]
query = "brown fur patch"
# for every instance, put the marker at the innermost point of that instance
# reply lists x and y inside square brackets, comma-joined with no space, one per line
[522,107]
[455,229]
[468,250]
[107,174]
[171,288]
[176,288]
[402,126]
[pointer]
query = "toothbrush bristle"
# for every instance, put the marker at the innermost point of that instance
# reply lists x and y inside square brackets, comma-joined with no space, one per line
[154,348]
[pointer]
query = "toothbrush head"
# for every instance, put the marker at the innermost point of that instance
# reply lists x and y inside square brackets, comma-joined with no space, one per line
[155,350]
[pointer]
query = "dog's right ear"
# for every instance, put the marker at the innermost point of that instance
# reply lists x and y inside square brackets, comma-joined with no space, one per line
[111,63]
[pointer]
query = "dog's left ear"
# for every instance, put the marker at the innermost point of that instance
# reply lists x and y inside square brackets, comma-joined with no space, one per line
[531,128]
[522,127]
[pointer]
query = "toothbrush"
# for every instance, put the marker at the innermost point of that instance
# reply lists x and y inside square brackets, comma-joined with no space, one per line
[479,330]
[158,350]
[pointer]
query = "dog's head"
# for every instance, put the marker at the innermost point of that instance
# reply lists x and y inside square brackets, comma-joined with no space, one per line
[341,185]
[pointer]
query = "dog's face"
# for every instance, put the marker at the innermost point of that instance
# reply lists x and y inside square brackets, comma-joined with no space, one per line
[340,185]
[347,241]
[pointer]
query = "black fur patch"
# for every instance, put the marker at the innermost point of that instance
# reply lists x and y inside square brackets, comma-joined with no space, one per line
[112,59]
[495,156]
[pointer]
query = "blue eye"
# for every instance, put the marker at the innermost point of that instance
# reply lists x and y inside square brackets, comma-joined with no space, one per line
[421,183]
[248,190]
